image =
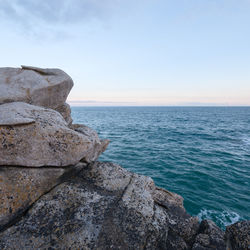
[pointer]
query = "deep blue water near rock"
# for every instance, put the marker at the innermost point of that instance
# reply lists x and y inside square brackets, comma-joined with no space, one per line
[201,153]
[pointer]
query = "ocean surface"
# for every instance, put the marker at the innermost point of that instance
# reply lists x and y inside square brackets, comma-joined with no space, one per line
[201,153]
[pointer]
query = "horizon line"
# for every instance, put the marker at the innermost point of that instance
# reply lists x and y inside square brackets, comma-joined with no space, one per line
[135,104]
[169,106]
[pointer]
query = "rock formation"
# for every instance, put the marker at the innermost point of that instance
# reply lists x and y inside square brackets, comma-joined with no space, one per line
[35,136]
[55,195]
[238,236]
[21,187]
[42,87]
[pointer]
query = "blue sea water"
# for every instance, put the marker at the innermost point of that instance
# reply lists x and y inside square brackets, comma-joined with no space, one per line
[201,153]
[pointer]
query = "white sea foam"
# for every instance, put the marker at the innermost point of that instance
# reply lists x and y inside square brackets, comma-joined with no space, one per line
[222,219]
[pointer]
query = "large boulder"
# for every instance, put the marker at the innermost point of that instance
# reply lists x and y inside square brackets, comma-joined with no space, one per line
[21,187]
[42,87]
[104,207]
[238,236]
[35,136]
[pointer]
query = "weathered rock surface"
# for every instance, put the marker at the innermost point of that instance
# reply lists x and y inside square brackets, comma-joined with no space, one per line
[21,187]
[36,136]
[104,207]
[238,236]
[98,146]
[209,237]
[42,87]
[65,111]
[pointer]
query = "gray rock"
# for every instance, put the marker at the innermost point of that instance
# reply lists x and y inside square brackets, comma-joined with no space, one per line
[209,237]
[238,236]
[42,87]
[102,207]
[35,136]
[65,111]
[98,146]
[21,187]
[182,228]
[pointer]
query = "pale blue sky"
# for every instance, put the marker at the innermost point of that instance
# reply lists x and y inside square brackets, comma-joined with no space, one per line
[144,52]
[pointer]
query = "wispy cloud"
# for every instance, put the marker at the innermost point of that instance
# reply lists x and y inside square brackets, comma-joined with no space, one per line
[56,11]
[36,16]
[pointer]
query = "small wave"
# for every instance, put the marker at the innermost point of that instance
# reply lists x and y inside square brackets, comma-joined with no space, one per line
[246,140]
[222,219]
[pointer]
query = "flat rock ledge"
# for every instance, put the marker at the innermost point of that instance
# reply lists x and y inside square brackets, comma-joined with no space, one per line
[36,136]
[100,206]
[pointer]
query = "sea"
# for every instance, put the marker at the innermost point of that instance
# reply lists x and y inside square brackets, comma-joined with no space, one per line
[201,153]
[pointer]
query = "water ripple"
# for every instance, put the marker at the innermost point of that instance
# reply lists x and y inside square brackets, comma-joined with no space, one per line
[200,153]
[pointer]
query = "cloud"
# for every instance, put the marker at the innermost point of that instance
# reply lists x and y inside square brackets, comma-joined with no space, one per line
[62,11]
[53,15]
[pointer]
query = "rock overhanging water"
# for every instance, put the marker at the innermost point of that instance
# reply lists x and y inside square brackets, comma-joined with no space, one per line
[55,194]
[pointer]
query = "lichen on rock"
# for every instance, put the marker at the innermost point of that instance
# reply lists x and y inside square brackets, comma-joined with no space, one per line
[44,139]
[104,206]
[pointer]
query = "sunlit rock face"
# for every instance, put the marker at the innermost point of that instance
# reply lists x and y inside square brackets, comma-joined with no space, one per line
[21,186]
[42,87]
[104,206]
[35,136]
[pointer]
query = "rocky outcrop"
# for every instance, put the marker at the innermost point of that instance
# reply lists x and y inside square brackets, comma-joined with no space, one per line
[209,237]
[21,187]
[238,236]
[55,195]
[42,87]
[103,207]
[35,136]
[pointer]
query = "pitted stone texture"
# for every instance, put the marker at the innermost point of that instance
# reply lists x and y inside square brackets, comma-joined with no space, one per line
[65,111]
[209,237]
[238,236]
[107,176]
[98,145]
[182,228]
[101,207]
[69,217]
[167,199]
[21,187]
[42,87]
[45,140]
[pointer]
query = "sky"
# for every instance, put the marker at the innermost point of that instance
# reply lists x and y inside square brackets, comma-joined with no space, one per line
[135,52]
